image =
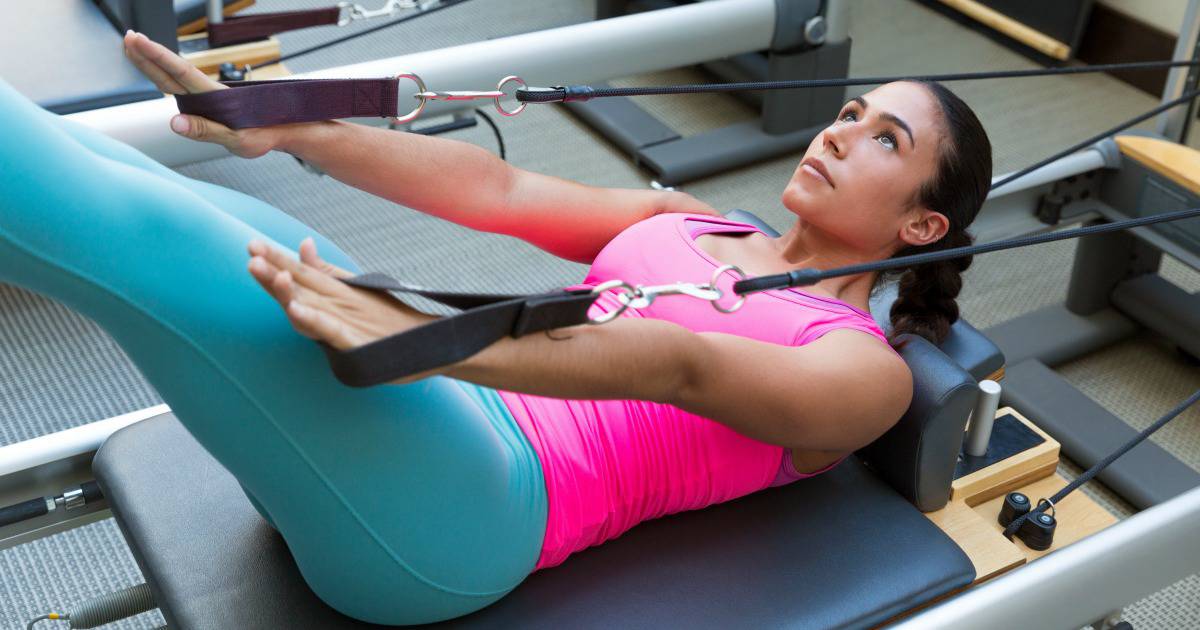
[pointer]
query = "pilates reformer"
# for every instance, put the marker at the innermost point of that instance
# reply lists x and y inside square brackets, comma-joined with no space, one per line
[916,459]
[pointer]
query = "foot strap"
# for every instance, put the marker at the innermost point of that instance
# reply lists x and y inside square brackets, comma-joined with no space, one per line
[485,319]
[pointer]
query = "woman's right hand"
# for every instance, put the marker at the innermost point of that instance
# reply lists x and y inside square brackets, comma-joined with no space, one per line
[174,75]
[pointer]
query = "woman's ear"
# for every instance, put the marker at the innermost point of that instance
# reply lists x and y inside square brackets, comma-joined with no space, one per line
[924,226]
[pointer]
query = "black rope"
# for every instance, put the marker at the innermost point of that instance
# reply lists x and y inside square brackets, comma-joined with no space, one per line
[1098,137]
[496,130]
[1094,470]
[446,4]
[806,277]
[583,92]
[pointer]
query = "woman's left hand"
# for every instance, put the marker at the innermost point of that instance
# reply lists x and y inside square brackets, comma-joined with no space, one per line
[322,307]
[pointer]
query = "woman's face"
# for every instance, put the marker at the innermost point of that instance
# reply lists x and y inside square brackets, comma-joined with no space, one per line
[859,176]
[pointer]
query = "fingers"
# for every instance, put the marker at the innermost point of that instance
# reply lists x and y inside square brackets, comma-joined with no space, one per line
[305,275]
[170,72]
[321,325]
[302,306]
[308,256]
[205,130]
[161,79]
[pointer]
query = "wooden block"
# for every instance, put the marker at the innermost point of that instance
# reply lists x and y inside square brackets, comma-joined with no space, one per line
[195,26]
[991,18]
[1007,475]
[990,552]
[276,71]
[1078,516]
[997,376]
[1172,160]
[209,61]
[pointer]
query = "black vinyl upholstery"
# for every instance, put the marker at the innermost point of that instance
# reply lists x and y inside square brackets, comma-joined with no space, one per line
[841,550]
[66,55]
[917,456]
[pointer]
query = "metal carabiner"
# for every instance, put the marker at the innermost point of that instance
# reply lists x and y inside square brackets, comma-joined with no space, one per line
[713,283]
[411,116]
[359,12]
[464,95]
[644,296]
[611,285]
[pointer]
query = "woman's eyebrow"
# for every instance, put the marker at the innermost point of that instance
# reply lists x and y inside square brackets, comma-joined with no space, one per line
[892,118]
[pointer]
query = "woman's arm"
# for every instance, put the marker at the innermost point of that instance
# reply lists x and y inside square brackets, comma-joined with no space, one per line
[836,394]
[465,184]
[451,180]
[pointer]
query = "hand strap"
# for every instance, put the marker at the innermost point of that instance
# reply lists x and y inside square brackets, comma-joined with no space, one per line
[264,103]
[485,319]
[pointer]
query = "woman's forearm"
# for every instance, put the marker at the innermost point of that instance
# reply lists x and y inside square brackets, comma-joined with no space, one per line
[635,359]
[448,179]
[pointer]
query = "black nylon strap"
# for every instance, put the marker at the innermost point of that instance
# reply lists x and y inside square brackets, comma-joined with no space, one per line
[262,103]
[486,318]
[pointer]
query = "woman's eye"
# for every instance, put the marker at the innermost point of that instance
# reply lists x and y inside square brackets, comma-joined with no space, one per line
[888,141]
[848,117]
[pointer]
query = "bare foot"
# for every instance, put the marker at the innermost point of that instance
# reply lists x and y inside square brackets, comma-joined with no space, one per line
[322,307]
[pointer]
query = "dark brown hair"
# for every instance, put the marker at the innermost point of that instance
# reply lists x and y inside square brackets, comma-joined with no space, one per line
[926,304]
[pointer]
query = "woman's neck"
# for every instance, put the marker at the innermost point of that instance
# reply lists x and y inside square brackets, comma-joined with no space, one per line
[805,246]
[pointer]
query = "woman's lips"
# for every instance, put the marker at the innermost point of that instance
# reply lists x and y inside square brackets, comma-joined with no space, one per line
[815,167]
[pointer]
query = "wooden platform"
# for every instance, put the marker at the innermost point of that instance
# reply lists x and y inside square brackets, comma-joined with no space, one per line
[209,61]
[1176,162]
[970,519]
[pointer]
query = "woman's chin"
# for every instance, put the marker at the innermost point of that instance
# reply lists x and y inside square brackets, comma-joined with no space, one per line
[795,197]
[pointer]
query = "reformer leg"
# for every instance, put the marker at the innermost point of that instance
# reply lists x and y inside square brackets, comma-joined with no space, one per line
[400,504]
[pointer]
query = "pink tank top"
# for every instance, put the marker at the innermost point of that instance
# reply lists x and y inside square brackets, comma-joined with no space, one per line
[611,464]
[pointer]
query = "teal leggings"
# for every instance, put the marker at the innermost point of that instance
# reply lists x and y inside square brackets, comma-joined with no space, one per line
[401,504]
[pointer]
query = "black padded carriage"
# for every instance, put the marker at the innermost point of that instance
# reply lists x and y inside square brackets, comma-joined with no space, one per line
[846,549]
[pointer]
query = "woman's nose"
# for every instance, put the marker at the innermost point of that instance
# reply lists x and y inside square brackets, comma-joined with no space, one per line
[834,139]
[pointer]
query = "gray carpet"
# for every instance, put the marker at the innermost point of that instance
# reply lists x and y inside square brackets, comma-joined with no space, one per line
[61,371]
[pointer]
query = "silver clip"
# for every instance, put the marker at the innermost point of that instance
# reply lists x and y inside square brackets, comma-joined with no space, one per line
[466,95]
[713,283]
[629,296]
[645,296]
[352,11]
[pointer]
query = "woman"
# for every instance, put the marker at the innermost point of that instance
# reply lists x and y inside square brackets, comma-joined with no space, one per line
[435,497]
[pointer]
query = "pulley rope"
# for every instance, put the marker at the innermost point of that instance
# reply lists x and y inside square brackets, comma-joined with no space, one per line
[583,92]
[1098,137]
[1101,465]
[807,277]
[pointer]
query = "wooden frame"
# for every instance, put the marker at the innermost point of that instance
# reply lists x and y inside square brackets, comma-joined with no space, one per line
[991,18]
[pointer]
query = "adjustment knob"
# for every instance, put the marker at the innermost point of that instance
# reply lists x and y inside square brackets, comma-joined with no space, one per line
[1015,506]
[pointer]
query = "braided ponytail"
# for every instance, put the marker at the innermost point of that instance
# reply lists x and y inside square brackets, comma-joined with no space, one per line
[926,303]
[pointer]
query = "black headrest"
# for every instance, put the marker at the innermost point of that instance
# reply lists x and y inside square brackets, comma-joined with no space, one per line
[917,456]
